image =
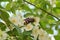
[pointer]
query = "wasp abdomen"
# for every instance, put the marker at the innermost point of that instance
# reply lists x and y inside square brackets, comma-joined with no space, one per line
[28,20]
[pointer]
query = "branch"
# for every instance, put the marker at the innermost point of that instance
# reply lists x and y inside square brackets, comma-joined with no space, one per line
[42,10]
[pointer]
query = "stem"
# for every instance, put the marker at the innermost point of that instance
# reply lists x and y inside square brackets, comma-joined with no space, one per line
[42,10]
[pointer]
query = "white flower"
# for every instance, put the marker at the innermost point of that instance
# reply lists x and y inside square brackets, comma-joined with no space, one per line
[17,20]
[40,34]
[37,19]
[35,32]
[28,27]
[43,35]
[14,20]
[3,35]
[20,19]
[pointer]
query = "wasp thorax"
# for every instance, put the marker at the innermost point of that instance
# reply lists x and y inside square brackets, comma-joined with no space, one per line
[28,20]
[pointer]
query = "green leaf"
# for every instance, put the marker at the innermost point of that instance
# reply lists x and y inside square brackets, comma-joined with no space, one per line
[26,7]
[13,32]
[28,14]
[58,3]
[8,6]
[25,37]
[28,38]
[18,31]
[5,0]
[1,7]
[2,26]
[12,6]
[17,28]
[27,33]
[57,37]
[43,23]
[56,9]
[50,31]
[19,1]
[4,16]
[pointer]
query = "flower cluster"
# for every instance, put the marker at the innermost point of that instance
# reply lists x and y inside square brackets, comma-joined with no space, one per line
[30,24]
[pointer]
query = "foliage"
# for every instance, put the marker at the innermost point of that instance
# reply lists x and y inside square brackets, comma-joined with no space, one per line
[47,11]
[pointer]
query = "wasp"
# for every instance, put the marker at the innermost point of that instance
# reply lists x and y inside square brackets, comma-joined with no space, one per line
[28,20]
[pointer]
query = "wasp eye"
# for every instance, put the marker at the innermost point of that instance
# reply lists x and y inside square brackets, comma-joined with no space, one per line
[28,20]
